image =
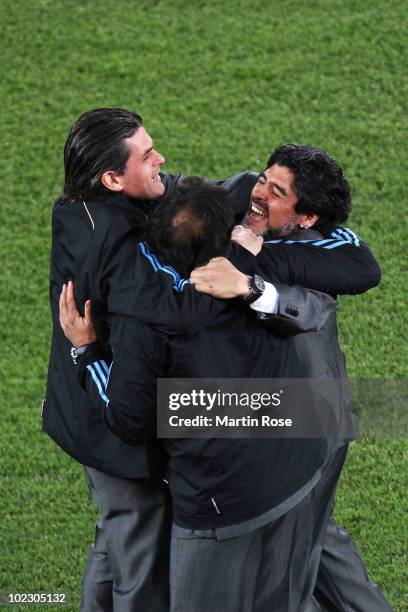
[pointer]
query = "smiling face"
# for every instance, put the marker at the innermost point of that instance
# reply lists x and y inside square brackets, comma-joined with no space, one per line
[141,178]
[273,202]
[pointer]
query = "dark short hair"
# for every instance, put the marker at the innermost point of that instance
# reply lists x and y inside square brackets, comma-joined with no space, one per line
[95,145]
[192,225]
[319,182]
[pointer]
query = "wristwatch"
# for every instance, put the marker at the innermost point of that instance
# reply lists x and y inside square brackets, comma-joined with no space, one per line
[77,352]
[257,287]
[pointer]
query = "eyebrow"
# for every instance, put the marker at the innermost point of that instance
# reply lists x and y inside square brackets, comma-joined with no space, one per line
[278,187]
[146,153]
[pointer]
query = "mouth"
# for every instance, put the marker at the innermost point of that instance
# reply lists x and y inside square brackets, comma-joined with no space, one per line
[156,178]
[258,211]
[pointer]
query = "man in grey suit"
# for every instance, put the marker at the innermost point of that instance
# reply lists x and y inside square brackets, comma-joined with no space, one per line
[293,199]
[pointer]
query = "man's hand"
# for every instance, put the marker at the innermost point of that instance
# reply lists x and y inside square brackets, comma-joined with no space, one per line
[220,279]
[247,239]
[79,330]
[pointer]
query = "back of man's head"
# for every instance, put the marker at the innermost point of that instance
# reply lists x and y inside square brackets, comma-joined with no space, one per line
[193,225]
[318,180]
[96,144]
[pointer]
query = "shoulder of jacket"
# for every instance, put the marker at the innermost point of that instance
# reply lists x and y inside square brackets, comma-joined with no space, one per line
[74,213]
[95,213]
[69,213]
[170,182]
[240,180]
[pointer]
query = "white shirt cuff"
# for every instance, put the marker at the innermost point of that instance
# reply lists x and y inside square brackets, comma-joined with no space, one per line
[268,302]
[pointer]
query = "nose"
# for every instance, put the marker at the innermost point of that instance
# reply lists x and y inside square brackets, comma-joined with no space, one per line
[160,158]
[259,192]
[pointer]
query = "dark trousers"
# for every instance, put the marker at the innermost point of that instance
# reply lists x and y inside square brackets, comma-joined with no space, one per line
[275,568]
[127,568]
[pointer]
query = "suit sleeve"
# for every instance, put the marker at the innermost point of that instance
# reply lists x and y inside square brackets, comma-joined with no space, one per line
[300,310]
[124,390]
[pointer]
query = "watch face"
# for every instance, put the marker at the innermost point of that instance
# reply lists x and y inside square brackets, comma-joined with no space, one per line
[259,284]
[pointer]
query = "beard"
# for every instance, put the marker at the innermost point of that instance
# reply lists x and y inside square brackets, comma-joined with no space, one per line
[272,233]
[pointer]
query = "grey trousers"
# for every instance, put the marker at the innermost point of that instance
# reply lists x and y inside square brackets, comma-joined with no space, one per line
[128,565]
[342,582]
[276,568]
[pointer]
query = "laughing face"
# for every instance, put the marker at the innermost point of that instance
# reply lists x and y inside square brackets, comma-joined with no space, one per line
[141,178]
[273,201]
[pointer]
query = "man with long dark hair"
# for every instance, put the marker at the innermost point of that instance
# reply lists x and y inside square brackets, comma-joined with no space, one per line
[302,196]
[112,171]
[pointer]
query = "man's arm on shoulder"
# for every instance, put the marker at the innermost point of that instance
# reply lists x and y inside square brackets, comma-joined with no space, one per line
[330,265]
[140,284]
[298,309]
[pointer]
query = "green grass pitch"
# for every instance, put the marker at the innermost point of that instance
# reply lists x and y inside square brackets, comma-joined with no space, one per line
[219,85]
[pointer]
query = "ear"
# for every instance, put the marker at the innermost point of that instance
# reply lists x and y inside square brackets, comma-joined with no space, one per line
[111,180]
[307,221]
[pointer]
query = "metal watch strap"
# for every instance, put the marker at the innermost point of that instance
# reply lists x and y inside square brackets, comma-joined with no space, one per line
[257,285]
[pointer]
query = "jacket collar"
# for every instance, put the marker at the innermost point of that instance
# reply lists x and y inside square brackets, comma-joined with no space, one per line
[304,234]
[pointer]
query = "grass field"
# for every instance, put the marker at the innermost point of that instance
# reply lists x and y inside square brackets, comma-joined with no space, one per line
[219,85]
